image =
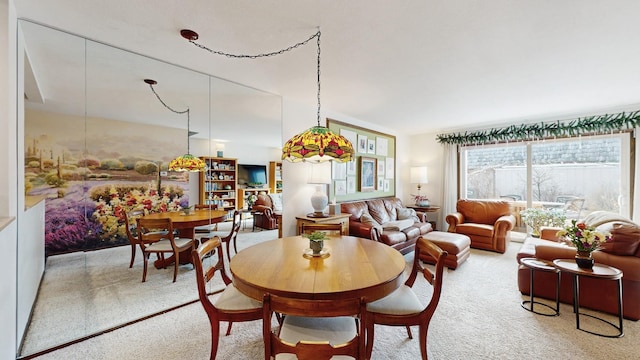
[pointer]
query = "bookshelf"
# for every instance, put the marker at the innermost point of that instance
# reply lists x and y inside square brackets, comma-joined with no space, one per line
[219,183]
[275,177]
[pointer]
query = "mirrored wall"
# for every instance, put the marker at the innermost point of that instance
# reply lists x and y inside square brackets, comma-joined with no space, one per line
[96,136]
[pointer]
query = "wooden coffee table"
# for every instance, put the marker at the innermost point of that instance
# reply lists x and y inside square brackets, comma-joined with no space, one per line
[599,271]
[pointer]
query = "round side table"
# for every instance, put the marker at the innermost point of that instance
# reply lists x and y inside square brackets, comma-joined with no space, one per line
[534,265]
[599,271]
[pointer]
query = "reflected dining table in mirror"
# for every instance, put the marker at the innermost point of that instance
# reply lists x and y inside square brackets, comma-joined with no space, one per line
[185,225]
[355,268]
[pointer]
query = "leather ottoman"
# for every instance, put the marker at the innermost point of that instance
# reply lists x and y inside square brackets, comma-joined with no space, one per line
[457,246]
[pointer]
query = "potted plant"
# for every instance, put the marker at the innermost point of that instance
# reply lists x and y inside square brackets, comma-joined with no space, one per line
[535,218]
[316,241]
[187,210]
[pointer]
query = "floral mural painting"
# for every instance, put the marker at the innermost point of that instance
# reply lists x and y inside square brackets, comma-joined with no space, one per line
[91,183]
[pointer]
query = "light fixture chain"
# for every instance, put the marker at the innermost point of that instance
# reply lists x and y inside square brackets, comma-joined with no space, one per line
[177,112]
[242,56]
[318,33]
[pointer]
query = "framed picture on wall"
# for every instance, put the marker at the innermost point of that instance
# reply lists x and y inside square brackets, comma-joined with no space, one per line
[362,144]
[368,173]
[351,185]
[371,146]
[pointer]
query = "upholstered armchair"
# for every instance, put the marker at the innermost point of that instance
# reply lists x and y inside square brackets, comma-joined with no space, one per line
[264,211]
[486,222]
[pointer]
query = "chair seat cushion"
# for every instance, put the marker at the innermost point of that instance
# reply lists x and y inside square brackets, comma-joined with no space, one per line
[165,244]
[403,301]
[232,299]
[335,330]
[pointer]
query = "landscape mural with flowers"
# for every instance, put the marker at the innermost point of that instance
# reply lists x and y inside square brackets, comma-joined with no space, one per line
[93,171]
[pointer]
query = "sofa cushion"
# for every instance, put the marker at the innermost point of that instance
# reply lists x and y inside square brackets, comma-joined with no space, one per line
[475,229]
[397,225]
[369,220]
[624,240]
[381,210]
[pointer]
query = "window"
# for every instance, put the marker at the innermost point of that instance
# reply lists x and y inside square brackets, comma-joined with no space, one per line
[580,174]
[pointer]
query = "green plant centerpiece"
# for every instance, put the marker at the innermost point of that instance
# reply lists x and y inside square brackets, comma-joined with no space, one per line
[535,218]
[316,241]
[187,210]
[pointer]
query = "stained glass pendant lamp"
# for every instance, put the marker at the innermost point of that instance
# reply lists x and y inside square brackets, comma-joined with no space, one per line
[317,144]
[186,162]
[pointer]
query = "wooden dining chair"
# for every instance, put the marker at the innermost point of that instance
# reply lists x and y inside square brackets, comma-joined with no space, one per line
[204,230]
[231,305]
[403,307]
[314,329]
[228,238]
[131,227]
[329,229]
[157,236]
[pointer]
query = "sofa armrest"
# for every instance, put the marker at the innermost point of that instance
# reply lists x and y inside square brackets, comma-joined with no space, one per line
[422,216]
[453,220]
[356,228]
[552,251]
[549,233]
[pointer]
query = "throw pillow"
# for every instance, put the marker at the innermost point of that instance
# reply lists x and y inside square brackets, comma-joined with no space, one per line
[406,213]
[369,220]
[624,240]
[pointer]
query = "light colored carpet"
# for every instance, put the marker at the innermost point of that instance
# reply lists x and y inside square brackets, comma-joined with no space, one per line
[479,317]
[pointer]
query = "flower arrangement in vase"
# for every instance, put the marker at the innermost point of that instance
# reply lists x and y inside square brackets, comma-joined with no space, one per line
[420,200]
[535,218]
[586,239]
[251,199]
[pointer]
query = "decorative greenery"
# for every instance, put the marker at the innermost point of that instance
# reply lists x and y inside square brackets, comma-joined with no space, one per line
[600,124]
[316,236]
[536,218]
[585,238]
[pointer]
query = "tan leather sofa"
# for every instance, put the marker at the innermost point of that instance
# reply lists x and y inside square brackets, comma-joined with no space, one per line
[388,221]
[598,294]
[487,222]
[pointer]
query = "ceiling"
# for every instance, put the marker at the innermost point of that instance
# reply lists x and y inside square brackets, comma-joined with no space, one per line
[425,64]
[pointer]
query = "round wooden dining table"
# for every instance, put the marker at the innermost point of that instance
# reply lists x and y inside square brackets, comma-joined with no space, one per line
[355,267]
[185,224]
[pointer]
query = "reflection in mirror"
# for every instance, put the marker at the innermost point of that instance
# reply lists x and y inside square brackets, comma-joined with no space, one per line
[98,143]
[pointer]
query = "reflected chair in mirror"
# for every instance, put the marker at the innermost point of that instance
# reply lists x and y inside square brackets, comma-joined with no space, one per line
[157,236]
[403,307]
[231,305]
[131,227]
[314,329]
[204,230]
[329,229]
[228,238]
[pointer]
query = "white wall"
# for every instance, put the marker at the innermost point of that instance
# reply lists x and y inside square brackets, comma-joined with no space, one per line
[8,185]
[426,151]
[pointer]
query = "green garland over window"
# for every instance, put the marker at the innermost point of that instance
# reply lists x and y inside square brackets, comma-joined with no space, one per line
[601,124]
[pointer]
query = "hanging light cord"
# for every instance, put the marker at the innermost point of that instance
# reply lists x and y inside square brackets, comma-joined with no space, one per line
[177,112]
[273,53]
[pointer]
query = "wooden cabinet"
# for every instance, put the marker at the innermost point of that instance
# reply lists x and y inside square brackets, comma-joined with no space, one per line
[275,176]
[342,219]
[219,183]
[243,193]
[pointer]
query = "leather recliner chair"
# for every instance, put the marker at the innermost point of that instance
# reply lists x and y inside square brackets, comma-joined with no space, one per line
[486,222]
[263,211]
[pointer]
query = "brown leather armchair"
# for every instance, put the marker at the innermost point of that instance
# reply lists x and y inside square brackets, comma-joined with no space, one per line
[264,212]
[486,222]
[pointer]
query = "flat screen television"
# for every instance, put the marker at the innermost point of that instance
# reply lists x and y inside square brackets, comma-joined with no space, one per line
[252,175]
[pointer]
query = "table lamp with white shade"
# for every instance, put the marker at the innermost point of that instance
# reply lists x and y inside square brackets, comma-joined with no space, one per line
[419,176]
[320,175]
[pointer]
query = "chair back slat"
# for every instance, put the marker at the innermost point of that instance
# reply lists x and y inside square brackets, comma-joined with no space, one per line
[316,350]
